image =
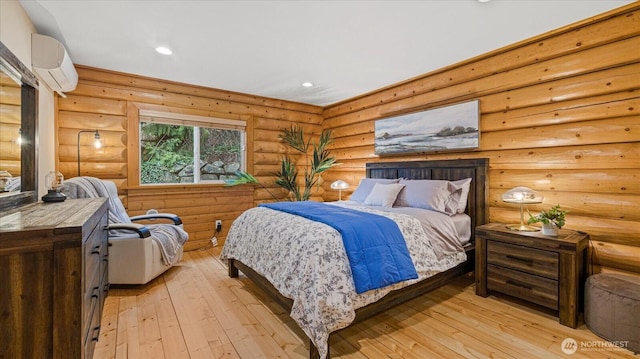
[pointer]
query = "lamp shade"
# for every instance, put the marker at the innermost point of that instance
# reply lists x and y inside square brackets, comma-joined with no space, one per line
[522,195]
[339,184]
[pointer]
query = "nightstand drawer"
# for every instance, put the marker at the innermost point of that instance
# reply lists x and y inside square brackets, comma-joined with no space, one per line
[539,290]
[525,259]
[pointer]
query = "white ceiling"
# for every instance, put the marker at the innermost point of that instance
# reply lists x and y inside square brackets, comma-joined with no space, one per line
[268,48]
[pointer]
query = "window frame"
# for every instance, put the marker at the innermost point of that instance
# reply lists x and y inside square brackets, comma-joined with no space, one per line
[137,113]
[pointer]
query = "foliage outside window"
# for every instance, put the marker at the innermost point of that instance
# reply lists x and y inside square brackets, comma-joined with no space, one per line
[176,151]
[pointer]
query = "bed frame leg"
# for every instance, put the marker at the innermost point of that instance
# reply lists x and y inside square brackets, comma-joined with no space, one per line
[233,271]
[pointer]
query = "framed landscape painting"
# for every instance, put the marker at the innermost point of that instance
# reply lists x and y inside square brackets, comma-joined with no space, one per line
[449,128]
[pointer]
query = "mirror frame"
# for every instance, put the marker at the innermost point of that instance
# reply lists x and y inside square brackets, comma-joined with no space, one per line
[29,126]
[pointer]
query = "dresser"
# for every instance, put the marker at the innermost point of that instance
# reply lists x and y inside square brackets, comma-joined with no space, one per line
[545,270]
[53,278]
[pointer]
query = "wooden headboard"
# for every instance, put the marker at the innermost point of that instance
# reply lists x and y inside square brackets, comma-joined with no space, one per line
[477,169]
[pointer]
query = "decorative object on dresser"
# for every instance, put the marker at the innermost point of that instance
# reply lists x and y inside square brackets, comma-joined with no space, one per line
[139,253]
[339,185]
[548,271]
[54,278]
[97,143]
[54,181]
[552,220]
[522,196]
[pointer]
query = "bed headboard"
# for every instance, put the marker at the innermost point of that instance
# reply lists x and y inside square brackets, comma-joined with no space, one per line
[477,169]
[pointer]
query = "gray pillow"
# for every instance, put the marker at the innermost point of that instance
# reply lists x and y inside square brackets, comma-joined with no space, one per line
[427,194]
[365,187]
[383,194]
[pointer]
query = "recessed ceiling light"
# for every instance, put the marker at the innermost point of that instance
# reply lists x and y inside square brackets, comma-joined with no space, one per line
[484,0]
[307,84]
[164,50]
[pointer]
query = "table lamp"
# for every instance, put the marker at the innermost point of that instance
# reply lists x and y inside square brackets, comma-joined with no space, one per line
[522,196]
[339,185]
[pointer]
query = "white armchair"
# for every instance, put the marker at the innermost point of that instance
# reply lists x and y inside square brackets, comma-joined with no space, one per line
[137,253]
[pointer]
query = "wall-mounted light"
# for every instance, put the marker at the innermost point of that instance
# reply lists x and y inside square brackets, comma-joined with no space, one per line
[339,185]
[97,143]
[19,139]
[522,196]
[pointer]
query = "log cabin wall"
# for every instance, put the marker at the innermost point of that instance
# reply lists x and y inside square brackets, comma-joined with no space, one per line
[103,100]
[10,122]
[559,114]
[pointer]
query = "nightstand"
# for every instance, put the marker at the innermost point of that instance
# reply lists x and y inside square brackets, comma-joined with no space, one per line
[545,270]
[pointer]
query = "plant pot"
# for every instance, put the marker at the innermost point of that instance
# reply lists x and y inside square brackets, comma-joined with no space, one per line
[549,229]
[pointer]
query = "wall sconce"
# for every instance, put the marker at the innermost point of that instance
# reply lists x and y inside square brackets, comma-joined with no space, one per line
[19,139]
[97,144]
[339,185]
[522,196]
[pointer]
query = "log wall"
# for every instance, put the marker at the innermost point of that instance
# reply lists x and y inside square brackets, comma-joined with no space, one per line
[559,113]
[103,100]
[10,122]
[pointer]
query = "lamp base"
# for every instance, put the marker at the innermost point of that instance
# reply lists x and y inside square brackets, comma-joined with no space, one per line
[522,228]
[54,196]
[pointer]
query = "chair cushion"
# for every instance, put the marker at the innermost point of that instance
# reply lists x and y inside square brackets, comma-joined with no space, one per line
[612,308]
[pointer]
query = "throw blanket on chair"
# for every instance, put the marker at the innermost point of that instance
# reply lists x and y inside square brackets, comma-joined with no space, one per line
[168,236]
[377,251]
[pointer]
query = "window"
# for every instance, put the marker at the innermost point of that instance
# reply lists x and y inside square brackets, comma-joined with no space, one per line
[181,148]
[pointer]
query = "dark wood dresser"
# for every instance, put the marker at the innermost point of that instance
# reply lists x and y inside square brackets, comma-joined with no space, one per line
[545,270]
[53,278]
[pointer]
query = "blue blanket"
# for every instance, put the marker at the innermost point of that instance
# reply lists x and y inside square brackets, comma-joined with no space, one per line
[377,252]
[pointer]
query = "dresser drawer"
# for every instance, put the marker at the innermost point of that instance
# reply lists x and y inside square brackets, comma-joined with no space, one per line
[95,250]
[539,290]
[525,259]
[93,333]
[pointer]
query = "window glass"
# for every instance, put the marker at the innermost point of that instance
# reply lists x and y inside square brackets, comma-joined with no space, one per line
[168,152]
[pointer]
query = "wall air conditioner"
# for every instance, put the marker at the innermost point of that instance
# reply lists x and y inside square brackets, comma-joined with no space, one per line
[52,63]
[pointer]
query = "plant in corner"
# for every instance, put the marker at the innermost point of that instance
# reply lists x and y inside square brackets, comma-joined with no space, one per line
[553,217]
[287,176]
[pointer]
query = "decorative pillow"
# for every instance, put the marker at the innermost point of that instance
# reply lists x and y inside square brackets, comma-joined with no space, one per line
[427,194]
[365,186]
[457,202]
[383,194]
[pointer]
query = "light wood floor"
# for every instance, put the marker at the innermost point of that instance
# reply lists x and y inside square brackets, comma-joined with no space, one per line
[195,311]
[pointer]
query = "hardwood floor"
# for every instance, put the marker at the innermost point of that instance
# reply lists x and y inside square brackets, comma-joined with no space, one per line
[195,310]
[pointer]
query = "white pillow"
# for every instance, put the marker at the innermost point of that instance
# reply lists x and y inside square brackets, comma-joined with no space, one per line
[427,194]
[457,202]
[365,186]
[383,194]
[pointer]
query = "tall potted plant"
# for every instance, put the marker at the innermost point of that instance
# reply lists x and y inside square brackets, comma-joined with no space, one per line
[318,161]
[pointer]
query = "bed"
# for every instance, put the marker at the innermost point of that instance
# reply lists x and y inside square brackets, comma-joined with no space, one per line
[321,307]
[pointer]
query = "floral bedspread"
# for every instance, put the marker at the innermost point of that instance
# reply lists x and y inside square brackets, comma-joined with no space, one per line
[306,262]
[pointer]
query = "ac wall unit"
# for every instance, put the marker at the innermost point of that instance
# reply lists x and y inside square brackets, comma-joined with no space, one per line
[52,63]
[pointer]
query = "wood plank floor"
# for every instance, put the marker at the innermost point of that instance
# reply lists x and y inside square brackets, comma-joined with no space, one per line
[195,310]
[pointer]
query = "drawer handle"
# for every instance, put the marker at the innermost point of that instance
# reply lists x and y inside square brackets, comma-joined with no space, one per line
[520,259]
[96,250]
[518,284]
[94,290]
[96,331]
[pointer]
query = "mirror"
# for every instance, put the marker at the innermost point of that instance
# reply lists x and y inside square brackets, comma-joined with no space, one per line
[18,126]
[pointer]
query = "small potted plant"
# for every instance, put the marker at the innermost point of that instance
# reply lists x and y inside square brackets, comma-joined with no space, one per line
[551,220]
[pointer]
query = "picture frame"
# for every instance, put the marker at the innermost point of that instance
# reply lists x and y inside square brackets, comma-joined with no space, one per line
[449,128]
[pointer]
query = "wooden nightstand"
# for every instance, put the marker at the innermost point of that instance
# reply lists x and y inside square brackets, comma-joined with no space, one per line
[545,270]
